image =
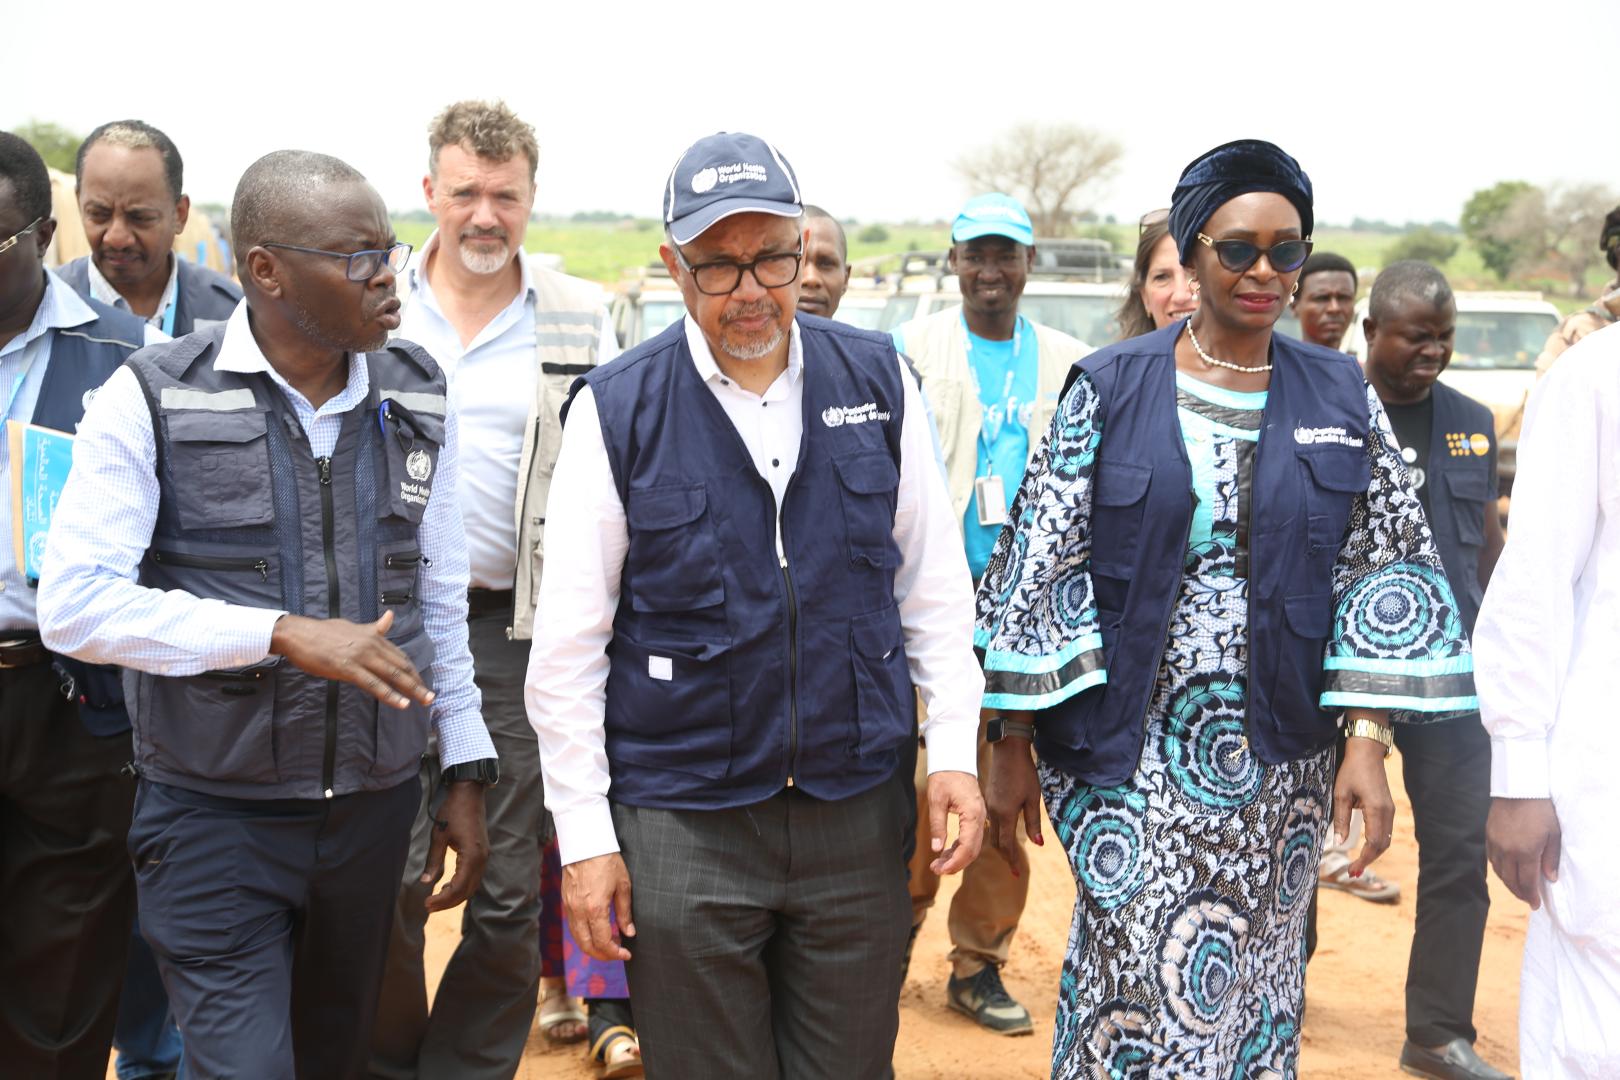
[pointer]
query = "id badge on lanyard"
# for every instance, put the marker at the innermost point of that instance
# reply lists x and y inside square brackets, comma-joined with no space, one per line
[990,499]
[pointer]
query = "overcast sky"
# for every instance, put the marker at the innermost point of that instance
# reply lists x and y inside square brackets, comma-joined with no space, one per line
[1398,110]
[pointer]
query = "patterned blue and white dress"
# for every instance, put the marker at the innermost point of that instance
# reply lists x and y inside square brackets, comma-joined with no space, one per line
[1186,954]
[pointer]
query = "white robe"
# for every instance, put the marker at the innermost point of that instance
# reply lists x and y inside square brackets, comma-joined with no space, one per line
[1547,665]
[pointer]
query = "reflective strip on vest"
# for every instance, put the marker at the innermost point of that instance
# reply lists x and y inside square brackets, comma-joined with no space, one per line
[416,402]
[175,397]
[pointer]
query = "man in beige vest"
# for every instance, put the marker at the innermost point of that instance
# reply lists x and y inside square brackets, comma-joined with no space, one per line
[992,378]
[511,336]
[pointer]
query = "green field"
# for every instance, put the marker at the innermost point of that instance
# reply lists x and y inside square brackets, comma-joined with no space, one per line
[606,251]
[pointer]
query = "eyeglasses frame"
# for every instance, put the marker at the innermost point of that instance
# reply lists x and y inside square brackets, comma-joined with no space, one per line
[7,245]
[798,268]
[1214,245]
[348,271]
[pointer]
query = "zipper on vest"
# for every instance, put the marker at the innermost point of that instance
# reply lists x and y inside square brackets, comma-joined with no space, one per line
[214,562]
[395,597]
[333,611]
[792,636]
[403,561]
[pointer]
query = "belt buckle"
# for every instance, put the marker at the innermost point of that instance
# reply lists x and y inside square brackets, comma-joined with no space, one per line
[11,646]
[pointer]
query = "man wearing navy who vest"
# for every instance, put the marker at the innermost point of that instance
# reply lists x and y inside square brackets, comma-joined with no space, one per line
[64,796]
[261,527]
[1448,441]
[128,177]
[751,558]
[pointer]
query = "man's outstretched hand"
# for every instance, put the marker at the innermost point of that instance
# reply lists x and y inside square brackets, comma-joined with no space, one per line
[358,653]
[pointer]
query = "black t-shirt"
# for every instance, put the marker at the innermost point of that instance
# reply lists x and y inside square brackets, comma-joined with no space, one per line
[1414,427]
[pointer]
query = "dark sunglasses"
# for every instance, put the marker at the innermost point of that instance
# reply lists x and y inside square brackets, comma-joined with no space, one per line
[1238,255]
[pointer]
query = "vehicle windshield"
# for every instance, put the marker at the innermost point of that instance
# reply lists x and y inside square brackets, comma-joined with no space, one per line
[656,315]
[865,316]
[898,309]
[1089,318]
[1493,340]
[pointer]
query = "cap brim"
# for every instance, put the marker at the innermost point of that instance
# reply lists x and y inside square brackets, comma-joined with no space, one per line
[975,229]
[685,230]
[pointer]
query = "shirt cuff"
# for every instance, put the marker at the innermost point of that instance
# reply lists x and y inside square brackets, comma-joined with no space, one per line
[953,745]
[251,644]
[1519,768]
[585,831]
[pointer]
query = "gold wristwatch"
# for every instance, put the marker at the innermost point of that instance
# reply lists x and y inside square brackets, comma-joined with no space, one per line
[1362,728]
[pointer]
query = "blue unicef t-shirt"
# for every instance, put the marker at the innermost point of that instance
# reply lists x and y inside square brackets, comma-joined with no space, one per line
[1006,372]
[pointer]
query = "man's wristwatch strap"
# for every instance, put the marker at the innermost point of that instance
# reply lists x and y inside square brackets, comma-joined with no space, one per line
[486,771]
[1362,728]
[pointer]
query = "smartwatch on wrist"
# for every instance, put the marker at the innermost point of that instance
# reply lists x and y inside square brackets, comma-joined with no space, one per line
[486,771]
[999,727]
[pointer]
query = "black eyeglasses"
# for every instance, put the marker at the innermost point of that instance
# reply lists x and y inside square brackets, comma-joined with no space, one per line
[363,265]
[1238,255]
[7,245]
[722,278]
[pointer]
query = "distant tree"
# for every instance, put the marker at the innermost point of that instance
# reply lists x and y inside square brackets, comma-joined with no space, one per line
[1048,166]
[1482,217]
[56,144]
[1424,245]
[873,234]
[1559,226]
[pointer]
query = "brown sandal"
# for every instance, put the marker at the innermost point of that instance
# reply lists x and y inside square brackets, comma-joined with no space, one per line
[619,1053]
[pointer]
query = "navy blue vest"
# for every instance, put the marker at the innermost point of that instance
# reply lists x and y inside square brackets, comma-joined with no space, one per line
[1461,492]
[1310,465]
[734,673]
[81,359]
[200,293]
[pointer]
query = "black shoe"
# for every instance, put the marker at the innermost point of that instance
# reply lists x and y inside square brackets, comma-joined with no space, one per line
[1454,1061]
[984,998]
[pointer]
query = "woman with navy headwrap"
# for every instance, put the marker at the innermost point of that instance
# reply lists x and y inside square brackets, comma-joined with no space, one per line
[1214,570]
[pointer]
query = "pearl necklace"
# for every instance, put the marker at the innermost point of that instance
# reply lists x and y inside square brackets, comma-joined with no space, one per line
[1212,362]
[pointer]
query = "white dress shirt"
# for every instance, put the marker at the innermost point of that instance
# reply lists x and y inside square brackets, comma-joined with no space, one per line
[492,388]
[1544,660]
[23,361]
[91,605]
[586,542]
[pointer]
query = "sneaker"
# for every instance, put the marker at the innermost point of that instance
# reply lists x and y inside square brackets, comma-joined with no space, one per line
[986,1000]
[1369,886]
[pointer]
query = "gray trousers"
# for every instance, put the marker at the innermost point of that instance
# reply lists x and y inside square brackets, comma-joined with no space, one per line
[768,938]
[487,997]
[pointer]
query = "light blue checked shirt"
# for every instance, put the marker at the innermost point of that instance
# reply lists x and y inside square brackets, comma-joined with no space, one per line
[23,361]
[92,607]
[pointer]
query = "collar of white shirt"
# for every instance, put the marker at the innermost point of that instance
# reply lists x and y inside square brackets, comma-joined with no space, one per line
[103,290]
[59,308]
[709,371]
[240,353]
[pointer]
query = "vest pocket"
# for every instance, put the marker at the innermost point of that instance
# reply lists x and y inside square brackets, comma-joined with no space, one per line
[1337,474]
[1119,503]
[673,698]
[220,467]
[397,580]
[411,444]
[1307,623]
[219,725]
[402,734]
[871,491]
[883,694]
[1469,494]
[673,562]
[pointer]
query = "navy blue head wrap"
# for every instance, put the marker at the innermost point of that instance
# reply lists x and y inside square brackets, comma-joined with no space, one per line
[1224,173]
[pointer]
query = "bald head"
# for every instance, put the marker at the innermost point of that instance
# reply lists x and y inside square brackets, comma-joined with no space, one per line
[282,198]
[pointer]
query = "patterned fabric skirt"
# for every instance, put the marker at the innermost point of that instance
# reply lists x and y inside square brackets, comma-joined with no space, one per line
[1186,956]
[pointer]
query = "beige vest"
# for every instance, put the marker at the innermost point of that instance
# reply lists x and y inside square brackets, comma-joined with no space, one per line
[937,346]
[568,317]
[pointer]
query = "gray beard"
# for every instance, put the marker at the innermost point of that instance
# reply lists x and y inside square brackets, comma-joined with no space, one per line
[753,352]
[480,263]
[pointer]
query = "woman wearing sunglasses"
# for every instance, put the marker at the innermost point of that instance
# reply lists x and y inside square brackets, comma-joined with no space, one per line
[1214,571]
[1161,288]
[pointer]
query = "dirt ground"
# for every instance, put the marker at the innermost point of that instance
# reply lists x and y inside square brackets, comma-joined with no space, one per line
[1353,1028]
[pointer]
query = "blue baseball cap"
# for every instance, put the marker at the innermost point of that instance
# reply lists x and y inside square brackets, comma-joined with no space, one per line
[994,214]
[723,174]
